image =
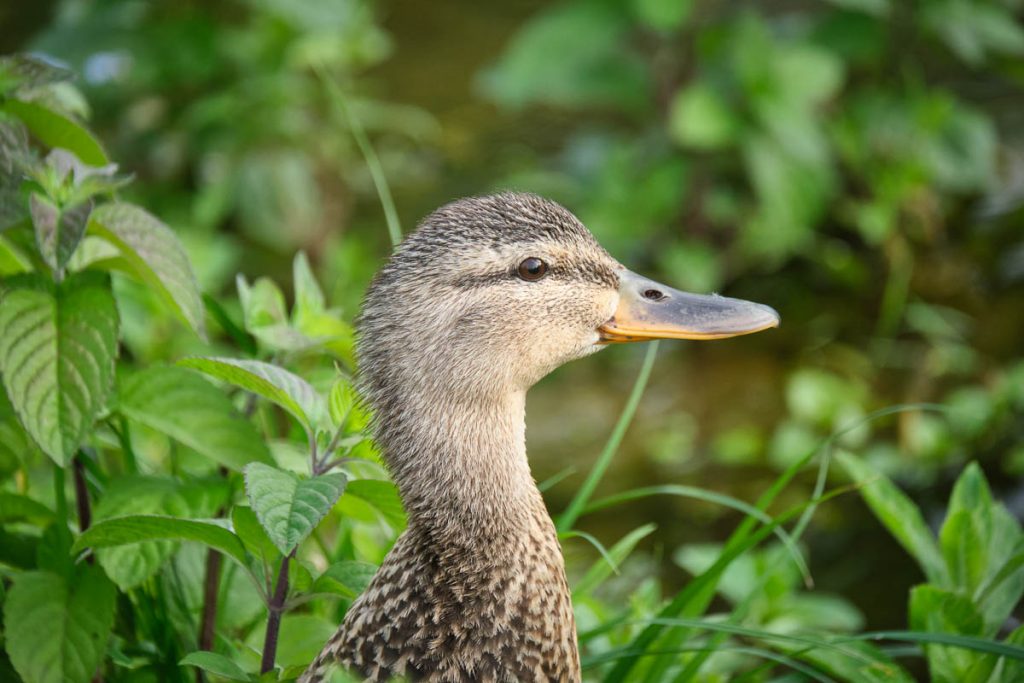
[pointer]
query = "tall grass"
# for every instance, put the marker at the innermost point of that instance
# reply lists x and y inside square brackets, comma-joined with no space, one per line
[660,646]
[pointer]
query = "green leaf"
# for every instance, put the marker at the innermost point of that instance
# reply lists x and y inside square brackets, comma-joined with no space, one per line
[76,182]
[23,71]
[138,528]
[876,7]
[57,358]
[129,566]
[347,579]
[899,515]
[216,664]
[266,316]
[155,256]
[862,662]
[262,303]
[17,508]
[601,569]
[978,539]
[1011,670]
[571,55]
[309,298]
[15,445]
[186,407]
[964,542]
[700,118]
[382,495]
[58,231]
[271,382]
[289,508]
[248,528]
[342,400]
[300,638]
[935,610]
[56,632]
[56,130]
[664,15]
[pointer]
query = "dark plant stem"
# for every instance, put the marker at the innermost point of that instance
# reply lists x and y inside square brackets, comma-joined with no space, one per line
[211,586]
[81,494]
[276,608]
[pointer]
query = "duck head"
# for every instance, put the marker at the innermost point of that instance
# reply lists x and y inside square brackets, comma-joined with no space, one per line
[491,293]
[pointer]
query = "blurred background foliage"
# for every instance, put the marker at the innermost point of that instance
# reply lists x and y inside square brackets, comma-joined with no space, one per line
[857,164]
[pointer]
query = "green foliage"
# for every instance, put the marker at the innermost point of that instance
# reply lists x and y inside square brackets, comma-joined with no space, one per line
[129,566]
[273,383]
[57,626]
[976,580]
[192,411]
[57,357]
[154,255]
[856,158]
[131,529]
[216,664]
[57,131]
[289,508]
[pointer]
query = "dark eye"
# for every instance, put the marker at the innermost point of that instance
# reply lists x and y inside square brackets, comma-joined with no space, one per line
[532,269]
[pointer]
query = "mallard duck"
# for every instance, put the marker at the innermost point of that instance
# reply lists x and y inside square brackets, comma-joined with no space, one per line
[486,297]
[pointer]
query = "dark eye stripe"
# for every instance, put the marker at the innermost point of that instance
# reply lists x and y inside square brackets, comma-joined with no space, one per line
[593,272]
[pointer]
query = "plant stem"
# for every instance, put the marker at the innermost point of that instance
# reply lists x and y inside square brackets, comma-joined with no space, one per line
[131,464]
[321,466]
[211,585]
[81,493]
[582,497]
[276,609]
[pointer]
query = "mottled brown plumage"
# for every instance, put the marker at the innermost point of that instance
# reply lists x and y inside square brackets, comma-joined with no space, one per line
[450,339]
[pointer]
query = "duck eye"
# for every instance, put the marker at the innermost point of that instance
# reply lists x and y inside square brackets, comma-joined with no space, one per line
[532,269]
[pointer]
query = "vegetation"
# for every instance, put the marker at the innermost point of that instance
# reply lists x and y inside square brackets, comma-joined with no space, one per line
[186,487]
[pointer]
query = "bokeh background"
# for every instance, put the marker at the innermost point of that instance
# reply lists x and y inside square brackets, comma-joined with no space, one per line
[857,164]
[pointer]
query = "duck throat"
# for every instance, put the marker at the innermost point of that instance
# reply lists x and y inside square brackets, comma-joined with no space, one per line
[478,570]
[460,465]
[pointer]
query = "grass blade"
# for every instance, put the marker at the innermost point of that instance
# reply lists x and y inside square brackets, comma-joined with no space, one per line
[694,600]
[579,501]
[795,665]
[710,497]
[380,181]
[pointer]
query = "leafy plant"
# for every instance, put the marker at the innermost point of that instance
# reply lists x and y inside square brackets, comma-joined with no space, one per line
[975,569]
[69,242]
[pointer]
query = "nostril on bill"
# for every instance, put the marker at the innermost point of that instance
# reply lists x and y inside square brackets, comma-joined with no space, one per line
[653,294]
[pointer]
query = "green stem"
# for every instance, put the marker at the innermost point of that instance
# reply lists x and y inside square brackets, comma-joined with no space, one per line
[124,436]
[380,181]
[582,497]
[59,494]
[897,288]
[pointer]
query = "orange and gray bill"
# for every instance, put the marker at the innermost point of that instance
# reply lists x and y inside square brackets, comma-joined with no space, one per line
[649,310]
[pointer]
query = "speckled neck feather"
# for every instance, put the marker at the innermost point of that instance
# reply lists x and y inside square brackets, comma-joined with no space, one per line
[475,588]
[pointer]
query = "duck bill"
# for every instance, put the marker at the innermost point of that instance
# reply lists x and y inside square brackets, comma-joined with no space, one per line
[649,310]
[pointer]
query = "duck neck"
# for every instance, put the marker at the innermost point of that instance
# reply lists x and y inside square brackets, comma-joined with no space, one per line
[461,467]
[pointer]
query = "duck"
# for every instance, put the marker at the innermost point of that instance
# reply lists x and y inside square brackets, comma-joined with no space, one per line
[488,295]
